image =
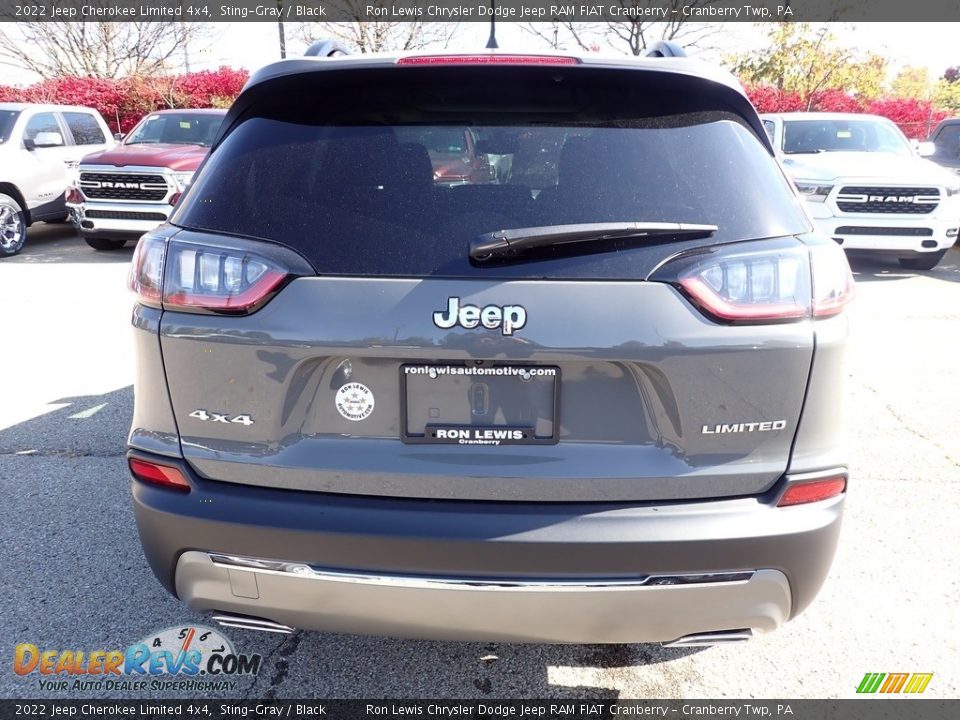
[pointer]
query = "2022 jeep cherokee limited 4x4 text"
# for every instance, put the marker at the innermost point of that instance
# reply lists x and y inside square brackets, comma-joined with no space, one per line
[592,398]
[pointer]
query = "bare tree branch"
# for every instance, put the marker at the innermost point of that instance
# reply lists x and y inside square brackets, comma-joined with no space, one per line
[96,49]
[376,35]
[629,35]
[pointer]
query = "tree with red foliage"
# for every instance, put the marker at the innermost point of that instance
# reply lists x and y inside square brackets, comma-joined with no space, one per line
[916,118]
[122,102]
[836,100]
[770,99]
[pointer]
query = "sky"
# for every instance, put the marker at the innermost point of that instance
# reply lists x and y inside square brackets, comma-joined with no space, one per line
[934,45]
[251,45]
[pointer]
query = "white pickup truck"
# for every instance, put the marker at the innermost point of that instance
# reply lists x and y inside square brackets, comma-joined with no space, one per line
[867,187]
[40,151]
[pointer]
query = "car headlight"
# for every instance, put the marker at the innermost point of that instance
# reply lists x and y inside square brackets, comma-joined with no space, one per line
[952,191]
[813,192]
[183,180]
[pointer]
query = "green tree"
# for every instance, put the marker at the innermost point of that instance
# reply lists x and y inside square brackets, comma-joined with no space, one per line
[806,59]
[912,83]
[946,95]
[946,92]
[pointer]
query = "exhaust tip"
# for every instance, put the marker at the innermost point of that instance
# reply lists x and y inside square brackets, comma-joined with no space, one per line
[706,639]
[248,622]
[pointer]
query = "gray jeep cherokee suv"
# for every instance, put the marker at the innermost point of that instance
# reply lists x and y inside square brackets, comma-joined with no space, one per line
[591,396]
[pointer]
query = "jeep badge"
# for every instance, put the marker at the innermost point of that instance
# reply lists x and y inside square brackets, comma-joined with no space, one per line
[508,318]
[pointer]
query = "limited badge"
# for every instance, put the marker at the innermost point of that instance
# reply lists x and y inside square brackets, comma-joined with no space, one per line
[355,401]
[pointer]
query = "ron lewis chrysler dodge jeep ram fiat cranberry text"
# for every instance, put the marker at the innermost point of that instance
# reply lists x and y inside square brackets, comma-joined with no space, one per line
[592,397]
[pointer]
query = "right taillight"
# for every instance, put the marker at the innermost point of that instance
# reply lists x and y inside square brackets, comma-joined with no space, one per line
[199,278]
[763,282]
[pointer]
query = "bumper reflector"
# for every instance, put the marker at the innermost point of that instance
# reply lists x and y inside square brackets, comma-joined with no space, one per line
[162,475]
[809,491]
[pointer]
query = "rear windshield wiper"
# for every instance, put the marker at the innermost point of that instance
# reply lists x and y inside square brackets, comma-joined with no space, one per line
[505,243]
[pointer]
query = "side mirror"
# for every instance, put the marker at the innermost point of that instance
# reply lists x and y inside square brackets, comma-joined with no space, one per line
[926,149]
[119,136]
[48,139]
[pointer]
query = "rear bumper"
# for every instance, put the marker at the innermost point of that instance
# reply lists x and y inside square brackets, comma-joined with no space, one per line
[518,572]
[453,608]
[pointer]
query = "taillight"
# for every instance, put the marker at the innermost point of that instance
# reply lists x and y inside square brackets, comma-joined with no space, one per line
[761,285]
[74,197]
[808,491]
[200,278]
[763,282]
[156,474]
[146,270]
[487,60]
[832,279]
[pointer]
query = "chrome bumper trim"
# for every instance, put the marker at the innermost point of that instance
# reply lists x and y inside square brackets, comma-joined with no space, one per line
[279,567]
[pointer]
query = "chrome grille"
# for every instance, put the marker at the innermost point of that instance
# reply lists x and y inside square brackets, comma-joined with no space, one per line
[123,186]
[883,200]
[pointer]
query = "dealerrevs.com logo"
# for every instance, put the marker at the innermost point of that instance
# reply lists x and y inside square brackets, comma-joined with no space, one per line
[193,658]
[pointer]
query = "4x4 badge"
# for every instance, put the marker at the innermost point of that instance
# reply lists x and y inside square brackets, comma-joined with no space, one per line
[508,318]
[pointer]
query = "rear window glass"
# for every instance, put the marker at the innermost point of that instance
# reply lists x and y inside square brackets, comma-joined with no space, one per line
[406,199]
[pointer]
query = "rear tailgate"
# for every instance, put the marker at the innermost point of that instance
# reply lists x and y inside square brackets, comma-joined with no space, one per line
[644,381]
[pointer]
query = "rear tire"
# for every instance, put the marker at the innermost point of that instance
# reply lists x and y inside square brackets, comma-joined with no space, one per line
[104,244]
[13,226]
[923,262]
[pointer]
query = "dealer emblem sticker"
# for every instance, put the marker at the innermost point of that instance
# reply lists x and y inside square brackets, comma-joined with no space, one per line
[355,401]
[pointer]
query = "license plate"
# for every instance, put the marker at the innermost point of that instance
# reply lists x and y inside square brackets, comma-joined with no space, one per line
[479,405]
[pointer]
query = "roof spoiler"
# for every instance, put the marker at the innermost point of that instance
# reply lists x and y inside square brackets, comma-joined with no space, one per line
[665,48]
[327,48]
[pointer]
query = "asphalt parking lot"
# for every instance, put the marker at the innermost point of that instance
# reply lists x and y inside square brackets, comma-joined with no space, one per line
[73,576]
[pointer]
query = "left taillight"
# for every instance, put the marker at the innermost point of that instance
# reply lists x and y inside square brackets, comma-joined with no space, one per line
[187,277]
